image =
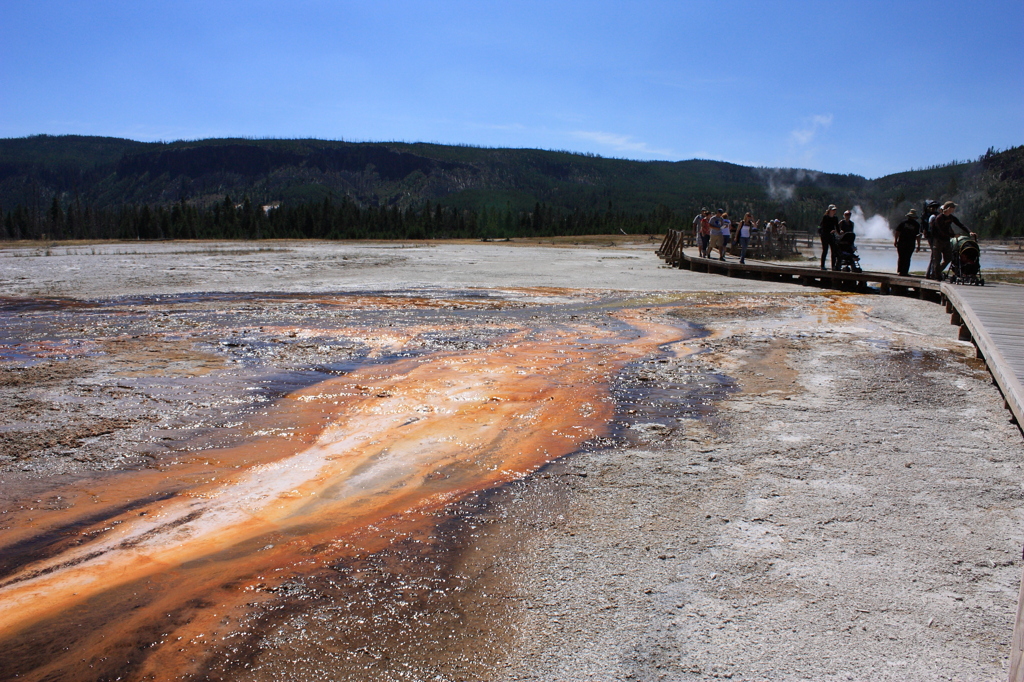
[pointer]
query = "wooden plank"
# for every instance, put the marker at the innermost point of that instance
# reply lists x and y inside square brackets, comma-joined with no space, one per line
[1000,326]
[995,318]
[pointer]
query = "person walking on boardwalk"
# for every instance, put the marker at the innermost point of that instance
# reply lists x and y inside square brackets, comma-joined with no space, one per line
[715,222]
[726,236]
[826,232]
[696,226]
[943,229]
[906,238]
[931,210]
[705,233]
[743,235]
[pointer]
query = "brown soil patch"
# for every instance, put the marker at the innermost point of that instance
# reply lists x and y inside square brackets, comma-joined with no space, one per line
[766,369]
[22,444]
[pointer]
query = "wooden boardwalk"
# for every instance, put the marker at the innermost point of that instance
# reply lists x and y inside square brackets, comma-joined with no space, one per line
[993,317]
[675,253]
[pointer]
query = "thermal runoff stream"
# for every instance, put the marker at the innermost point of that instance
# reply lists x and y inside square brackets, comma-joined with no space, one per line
[391,410]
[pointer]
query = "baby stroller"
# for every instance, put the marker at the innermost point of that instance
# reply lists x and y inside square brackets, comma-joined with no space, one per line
[965,267]
[847,259]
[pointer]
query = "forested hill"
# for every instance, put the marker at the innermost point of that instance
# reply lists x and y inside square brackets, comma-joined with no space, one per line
[73,186]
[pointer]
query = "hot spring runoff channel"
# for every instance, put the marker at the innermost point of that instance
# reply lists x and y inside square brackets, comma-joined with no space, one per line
[255,440]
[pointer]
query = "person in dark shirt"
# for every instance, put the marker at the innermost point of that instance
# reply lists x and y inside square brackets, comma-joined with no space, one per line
[931,209]
[906,239]
[842,240]
[826,232]
[845,225]
[943,229]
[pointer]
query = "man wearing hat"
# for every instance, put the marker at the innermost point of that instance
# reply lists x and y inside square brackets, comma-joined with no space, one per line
[943,229]
[826,231]
[907,237]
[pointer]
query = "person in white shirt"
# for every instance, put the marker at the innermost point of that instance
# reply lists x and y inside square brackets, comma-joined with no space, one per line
[726,236]
[746,227]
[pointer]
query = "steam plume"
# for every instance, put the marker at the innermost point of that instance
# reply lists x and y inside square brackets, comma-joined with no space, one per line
[875,227]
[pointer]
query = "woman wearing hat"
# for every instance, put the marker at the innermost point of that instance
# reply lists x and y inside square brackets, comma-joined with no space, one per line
[907,237]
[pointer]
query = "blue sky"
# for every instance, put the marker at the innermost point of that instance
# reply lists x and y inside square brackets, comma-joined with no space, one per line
[865,87]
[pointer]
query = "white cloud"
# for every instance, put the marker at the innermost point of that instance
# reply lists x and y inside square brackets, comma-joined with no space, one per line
[815,124]
[620,143]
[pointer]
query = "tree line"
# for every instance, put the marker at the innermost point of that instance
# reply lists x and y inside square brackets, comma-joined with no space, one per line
[328,219]
[993,213]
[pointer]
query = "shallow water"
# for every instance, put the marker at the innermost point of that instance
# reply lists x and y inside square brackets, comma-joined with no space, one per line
[880,256]
[335,433]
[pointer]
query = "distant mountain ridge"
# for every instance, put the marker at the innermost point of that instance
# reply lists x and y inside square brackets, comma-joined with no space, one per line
[106,173]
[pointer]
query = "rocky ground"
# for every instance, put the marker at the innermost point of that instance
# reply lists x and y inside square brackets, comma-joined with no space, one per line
[852,513]
[841,502]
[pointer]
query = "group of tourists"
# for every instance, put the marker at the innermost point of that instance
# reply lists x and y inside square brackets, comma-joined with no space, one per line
[715,231]
[938,226]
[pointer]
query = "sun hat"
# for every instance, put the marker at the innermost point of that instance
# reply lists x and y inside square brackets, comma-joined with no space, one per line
[831,207]
[912,213]
[948,204]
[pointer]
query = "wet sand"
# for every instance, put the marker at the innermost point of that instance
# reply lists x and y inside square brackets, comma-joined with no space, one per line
[788,500]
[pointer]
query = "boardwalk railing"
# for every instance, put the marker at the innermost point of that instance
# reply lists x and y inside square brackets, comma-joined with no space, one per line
[763,245]
[769,246]
[673,251]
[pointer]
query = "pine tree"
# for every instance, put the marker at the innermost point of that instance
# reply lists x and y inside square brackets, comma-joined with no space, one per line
[55,225]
